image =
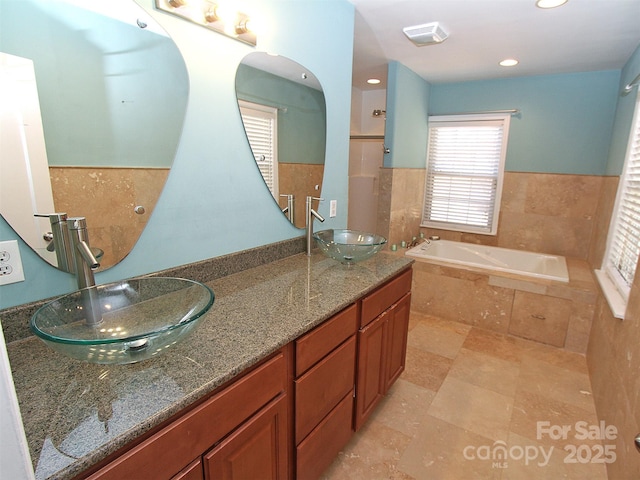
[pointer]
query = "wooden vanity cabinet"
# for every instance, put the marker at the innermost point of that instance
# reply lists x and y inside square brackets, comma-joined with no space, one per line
[382,343]
[254,428]
[324,391]
[242,428]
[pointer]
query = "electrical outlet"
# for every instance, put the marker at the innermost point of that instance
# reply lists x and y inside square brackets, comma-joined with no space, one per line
[333,208]
[10,263]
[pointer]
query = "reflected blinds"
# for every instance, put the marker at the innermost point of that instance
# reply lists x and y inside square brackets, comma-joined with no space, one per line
[465,164]
[260,126]
[625,241]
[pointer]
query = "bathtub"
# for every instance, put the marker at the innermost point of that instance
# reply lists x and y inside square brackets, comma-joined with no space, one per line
[528,264]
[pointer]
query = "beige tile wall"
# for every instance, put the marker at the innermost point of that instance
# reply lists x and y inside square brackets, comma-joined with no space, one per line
[559,214]
[552,313]
[613,356]
[107,197]
[300,179]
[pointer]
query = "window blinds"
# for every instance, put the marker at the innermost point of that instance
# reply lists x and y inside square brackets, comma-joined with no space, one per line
[625,242]
[260,126]
[465,163]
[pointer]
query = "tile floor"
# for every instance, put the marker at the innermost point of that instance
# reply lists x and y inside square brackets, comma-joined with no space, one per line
[468,395]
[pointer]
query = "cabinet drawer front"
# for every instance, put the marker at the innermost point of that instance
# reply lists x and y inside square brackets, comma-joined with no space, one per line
[166,452]
[320,389]
[324,443]
[377,302]
[320,341]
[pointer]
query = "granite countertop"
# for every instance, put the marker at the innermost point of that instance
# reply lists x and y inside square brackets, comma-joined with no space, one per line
[75,413]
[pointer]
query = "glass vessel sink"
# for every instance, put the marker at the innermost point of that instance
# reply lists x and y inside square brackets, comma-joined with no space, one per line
[123,322]
[349,246]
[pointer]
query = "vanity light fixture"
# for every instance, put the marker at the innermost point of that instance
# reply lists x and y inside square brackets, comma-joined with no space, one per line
[211,15]
[550,3]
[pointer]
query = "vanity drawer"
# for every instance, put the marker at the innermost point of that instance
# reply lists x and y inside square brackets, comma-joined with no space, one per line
[323,444]
[320,341]
[167,451]
[320,389]
[380,300]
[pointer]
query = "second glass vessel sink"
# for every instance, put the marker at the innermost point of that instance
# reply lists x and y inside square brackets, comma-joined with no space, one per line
[122,322]
[349,246]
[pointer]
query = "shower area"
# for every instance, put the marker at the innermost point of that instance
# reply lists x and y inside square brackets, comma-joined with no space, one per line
[366,155]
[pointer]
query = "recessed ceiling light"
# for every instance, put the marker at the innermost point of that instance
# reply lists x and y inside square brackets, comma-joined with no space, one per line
[373,81]
[509,62]
[550,3]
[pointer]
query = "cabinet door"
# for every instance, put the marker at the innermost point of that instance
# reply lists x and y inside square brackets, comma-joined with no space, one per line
[256,450]
[397,330]
[370,386]
[192,472]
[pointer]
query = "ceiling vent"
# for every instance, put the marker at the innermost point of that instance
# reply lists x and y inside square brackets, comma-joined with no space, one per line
[427,34]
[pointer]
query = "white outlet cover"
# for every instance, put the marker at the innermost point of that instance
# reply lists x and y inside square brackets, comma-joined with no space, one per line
[10,257]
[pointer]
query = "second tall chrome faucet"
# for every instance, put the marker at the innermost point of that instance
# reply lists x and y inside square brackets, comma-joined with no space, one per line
[310,215]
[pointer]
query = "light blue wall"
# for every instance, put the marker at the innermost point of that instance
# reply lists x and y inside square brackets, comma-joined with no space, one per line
[624,116]
[565,123]
[301,113]
[406,121]
[100,73]
[215,201]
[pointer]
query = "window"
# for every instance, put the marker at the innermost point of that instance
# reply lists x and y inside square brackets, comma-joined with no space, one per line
[465,166]
[623,243]
[260,124]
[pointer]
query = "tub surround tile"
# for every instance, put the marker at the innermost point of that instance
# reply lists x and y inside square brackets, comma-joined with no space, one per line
[546,213]
[466,297]
[602,220]
[555,313]
[540,318]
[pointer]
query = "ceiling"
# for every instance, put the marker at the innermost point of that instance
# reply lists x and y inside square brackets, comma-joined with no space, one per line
[580,36]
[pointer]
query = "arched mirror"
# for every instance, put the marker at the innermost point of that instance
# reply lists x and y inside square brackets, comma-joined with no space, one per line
[92,103]
[284,115]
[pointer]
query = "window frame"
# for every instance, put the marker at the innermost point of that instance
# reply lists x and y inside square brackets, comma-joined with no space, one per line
[471,120]
[614,286]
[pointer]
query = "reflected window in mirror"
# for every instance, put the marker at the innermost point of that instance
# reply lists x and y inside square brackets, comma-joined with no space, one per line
[297,97]
[261,126]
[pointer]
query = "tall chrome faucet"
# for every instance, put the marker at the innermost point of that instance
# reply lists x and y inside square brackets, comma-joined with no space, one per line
[85,263]
[84,260]
[60,240]
[311,213]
